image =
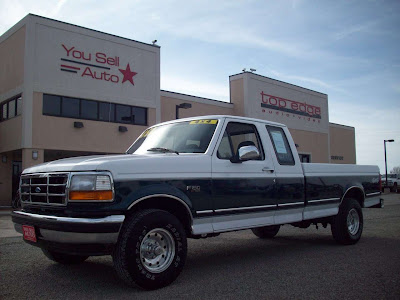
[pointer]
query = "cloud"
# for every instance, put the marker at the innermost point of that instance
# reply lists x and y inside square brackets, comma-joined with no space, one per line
[354,29]
[205,89]
[372,126]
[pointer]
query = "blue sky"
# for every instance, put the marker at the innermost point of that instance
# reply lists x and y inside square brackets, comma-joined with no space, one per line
[349,50]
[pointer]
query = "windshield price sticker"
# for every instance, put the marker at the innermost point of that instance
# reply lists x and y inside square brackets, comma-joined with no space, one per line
[204,122]
[146,133]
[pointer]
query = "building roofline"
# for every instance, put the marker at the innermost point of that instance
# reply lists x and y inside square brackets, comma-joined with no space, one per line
[278,81]
[341,125]
[197,97]
[94,30]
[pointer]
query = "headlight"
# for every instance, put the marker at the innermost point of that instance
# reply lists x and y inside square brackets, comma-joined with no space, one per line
[91,187]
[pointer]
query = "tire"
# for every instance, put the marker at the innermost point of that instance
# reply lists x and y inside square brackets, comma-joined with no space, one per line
[65,259]
[151,249]
[347,225]
[266,232]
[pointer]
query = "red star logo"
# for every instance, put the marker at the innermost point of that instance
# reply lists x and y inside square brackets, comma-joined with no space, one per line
[128,74]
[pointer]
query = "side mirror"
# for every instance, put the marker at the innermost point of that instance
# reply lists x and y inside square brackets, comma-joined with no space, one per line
[246,153]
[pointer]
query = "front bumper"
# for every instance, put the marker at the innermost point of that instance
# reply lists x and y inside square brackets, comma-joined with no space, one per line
[71,233]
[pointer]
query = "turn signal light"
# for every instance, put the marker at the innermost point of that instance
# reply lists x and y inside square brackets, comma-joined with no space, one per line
[91,195]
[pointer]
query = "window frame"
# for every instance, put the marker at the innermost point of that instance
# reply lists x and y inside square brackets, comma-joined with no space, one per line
[261,148]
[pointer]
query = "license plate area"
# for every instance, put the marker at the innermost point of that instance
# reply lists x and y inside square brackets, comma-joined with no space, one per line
[29,233]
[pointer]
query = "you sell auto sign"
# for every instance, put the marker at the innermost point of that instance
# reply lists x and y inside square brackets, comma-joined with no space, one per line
[73,61]
[97,65]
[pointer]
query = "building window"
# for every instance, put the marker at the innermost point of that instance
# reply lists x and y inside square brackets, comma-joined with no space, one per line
[89,109]
[10,108]
[52,105]
[68,107]
[123,114]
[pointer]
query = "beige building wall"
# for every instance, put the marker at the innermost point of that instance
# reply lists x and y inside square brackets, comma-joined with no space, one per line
[313,143]
[200,106]
[11,134]
[236,88]
[343,144]
[12,52]
[56,133]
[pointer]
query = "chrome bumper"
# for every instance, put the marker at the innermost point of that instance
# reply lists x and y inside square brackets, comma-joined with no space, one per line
[71,230]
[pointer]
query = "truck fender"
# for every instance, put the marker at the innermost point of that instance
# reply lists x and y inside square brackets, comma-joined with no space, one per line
[356,192]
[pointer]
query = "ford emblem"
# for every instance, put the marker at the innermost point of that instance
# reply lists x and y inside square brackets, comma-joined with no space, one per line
[38,190]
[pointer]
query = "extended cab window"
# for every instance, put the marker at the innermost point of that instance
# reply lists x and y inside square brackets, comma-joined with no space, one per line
[237,135]
[281,145]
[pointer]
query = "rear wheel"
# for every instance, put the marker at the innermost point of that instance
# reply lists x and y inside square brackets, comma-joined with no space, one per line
[347,225]
[65,259]
[151,250]
[266,232]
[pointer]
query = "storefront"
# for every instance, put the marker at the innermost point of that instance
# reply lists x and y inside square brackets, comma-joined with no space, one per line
[68,91]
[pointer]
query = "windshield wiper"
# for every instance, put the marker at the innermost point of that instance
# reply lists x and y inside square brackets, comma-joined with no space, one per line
[164,150]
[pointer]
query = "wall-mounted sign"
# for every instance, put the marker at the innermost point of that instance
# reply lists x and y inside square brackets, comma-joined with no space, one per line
[296,107]
[77,62]
[303,110]
[97,65]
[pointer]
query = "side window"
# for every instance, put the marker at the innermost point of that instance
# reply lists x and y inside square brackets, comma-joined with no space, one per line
[225,148]
[237,135]
[281,145]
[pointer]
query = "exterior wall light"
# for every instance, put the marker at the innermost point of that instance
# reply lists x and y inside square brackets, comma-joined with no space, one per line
[35,155]
[182,105]
[122,129]
[4,159]
[78,124]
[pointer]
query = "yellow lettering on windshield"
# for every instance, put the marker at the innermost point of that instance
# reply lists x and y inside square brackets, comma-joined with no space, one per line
[146,133]
[204,122]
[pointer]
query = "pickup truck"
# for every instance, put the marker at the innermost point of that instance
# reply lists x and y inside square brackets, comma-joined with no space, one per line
[393,182]
[188,178]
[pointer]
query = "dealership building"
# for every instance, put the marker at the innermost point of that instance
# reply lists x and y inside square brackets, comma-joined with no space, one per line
[67,91]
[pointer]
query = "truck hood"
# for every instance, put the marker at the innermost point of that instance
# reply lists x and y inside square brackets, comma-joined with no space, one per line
[130,166]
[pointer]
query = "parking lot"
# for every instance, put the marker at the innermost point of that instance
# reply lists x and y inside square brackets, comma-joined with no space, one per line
[298,263]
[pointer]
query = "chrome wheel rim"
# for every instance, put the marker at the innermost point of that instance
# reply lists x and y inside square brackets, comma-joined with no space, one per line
[353,221]
[157,250]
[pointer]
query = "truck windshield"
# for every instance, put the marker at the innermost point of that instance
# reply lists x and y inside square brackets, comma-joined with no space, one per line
[184,137]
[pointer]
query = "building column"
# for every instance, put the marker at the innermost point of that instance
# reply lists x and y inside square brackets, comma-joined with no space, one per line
[30,159]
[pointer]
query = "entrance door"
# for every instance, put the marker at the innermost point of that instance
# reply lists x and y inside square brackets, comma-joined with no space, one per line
[305,158]
[16,174]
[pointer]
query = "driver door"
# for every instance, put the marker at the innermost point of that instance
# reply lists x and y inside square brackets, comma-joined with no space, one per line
[243,193]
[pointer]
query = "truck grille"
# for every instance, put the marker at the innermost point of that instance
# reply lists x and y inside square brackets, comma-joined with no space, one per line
[48,189]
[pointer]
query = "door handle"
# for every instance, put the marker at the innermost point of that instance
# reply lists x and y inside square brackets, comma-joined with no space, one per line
[268,169]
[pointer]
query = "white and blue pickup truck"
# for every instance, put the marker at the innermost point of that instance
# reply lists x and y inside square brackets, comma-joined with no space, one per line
[189,178]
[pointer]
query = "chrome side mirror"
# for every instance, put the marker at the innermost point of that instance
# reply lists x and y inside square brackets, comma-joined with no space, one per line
[248,153]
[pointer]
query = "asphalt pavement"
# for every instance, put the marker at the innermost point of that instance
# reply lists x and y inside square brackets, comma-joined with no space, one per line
[297,264]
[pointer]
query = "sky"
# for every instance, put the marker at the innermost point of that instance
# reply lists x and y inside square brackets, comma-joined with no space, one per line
[349,50]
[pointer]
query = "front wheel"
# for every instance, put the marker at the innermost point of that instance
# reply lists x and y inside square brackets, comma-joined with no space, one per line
[65,259]
[347,225]
[151,250]
[266,232]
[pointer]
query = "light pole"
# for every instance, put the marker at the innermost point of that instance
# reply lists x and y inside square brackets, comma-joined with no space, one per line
[182,105]
[384,144]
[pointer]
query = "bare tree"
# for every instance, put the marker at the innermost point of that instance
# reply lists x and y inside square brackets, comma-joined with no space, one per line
[395,170]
